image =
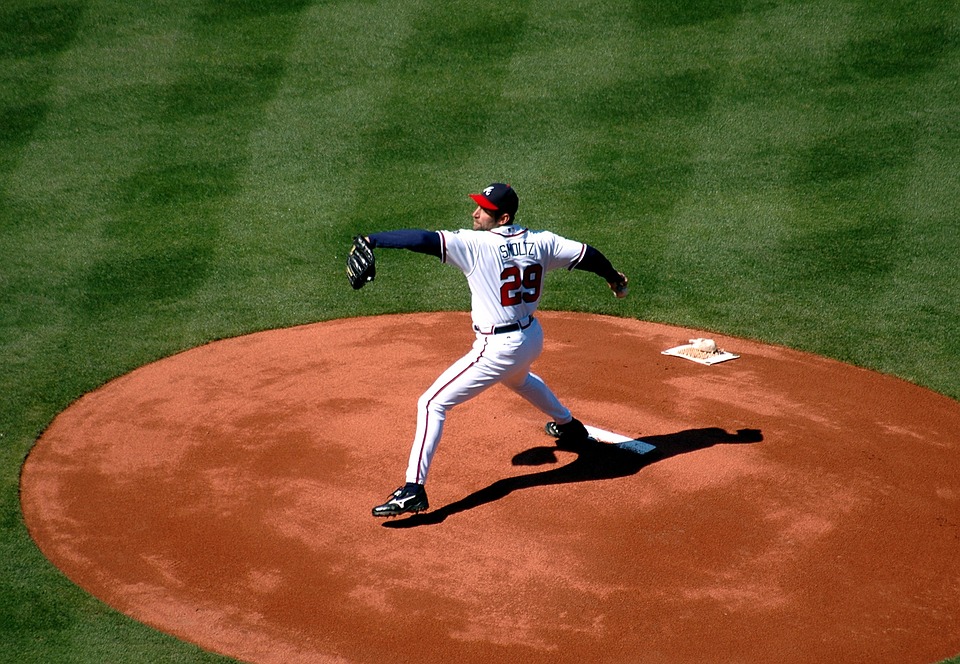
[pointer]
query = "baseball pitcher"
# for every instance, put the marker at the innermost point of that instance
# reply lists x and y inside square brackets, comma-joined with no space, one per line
[505,265]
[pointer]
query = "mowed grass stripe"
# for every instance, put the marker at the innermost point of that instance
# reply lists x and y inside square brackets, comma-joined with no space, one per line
[857,224]
[744,218]
[166,216]
[313,180]
[439,100]
[163,218]
[52,202]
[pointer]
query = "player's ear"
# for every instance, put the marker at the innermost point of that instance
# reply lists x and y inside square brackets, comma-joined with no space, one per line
[504,219]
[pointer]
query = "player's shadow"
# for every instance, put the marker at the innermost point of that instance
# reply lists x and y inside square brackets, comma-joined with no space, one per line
[595,461]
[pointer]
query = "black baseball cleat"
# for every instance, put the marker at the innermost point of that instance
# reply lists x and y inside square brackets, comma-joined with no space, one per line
[408,498]
[571,432]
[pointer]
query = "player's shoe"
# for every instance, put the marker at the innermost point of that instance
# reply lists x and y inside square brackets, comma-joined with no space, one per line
[571,432]
[408,498]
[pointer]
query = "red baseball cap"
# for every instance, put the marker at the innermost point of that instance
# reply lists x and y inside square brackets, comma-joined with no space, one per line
[498,197]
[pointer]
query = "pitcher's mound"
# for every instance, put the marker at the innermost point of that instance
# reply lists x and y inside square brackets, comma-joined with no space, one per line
[795,509]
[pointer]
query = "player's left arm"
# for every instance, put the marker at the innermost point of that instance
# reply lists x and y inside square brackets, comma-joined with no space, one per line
[594,261]
[414,239]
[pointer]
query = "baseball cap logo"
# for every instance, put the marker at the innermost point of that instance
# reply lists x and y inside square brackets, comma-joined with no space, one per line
[488,191]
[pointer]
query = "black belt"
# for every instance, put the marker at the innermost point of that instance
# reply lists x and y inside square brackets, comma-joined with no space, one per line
[511,327]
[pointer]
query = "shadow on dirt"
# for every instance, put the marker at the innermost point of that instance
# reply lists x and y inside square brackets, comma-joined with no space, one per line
[595,461]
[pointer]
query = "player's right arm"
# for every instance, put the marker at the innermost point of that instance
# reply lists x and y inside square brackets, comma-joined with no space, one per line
[594,261]
[414,239]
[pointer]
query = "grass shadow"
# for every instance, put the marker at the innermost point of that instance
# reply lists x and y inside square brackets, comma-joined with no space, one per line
[595,461]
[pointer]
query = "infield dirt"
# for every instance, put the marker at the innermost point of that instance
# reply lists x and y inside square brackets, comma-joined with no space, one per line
[796,510]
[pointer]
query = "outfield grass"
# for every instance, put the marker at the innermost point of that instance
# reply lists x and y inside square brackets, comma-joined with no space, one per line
[176,172]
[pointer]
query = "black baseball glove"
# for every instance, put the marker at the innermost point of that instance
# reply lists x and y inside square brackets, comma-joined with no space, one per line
[361,265]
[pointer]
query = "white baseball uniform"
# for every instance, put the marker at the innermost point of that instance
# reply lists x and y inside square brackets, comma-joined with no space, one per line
[505,268]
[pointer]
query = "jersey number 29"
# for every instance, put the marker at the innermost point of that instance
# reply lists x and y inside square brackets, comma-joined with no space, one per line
[520,284]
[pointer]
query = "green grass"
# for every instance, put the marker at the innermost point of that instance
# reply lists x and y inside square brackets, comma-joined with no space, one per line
[172,173]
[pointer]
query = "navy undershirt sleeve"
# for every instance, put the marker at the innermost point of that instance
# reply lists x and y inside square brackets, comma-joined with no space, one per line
[414,239]
[596,262]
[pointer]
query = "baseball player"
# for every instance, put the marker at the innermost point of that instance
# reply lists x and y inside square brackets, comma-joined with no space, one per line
[505,265]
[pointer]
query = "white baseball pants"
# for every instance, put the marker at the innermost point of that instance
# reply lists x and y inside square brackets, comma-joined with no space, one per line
[494,358]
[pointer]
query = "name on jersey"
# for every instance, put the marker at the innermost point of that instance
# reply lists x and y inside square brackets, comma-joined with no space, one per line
[512,249]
